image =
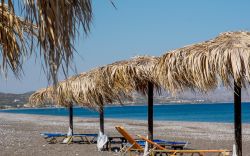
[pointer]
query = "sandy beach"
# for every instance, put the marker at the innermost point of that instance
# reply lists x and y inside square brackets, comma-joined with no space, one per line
[20,134]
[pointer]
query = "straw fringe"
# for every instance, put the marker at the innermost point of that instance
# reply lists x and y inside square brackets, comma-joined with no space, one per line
[108,84]
[204,65]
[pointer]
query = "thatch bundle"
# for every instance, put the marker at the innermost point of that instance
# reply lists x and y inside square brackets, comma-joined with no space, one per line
[14,33]
[86,89]
[131,75]
[204,65]
[42,96]
[108,84]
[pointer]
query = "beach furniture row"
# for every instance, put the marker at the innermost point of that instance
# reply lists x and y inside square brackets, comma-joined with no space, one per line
[162,147]
[130,146]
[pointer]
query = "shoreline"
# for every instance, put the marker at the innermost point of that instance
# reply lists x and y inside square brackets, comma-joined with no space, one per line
[124,119]
[128,104]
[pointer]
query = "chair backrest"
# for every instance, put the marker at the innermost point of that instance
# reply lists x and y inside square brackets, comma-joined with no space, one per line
[129,138]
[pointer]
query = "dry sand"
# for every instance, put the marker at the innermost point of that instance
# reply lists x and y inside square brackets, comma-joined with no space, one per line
[20,134]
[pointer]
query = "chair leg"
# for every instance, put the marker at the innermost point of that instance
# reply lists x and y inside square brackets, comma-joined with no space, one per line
[82,139]
[225,153]
[70,140]
[125,149]
[87,140]
[151,151]
[93,140]
[52,140]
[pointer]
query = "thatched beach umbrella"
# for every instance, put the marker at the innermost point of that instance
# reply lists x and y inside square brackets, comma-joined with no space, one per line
[108,84]
[135,75]
[204,65]
[85,89]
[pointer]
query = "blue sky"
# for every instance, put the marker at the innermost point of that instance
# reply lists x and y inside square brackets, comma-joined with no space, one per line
[141,27]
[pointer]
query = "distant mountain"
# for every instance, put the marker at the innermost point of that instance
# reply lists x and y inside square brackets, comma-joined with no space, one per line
[220,95]
[10,100]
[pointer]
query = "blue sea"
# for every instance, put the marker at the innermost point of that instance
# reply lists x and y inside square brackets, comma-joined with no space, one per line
[221,112]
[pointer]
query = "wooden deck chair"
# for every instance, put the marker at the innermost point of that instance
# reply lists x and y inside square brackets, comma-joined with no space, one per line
[132,142]
[169,152]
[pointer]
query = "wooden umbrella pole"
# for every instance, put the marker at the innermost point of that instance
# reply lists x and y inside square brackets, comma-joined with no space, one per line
[102,119]
[71,117]
[150,110]
[237,119]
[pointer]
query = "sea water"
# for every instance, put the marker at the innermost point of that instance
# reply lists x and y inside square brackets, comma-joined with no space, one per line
[220,112]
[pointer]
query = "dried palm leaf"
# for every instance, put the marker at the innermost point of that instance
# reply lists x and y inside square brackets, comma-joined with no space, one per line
[14,40]
[59,22]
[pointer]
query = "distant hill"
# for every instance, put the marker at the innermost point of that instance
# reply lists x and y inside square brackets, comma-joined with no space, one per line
[10,100]
[220,95]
